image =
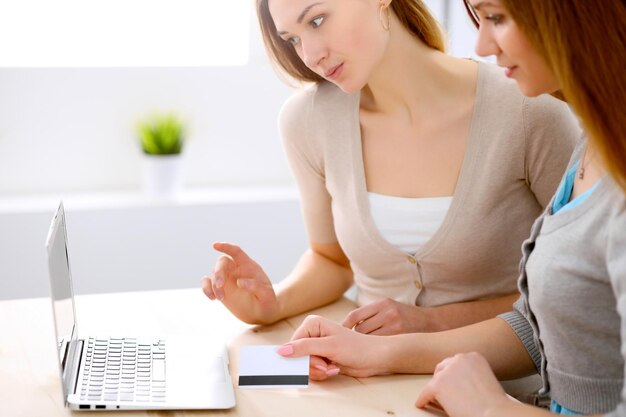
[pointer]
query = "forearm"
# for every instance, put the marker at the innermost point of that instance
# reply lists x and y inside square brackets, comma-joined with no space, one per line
[314,282]
[456,315]
[419,353]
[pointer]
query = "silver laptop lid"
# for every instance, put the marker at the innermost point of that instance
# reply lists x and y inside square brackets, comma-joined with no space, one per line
[61,291]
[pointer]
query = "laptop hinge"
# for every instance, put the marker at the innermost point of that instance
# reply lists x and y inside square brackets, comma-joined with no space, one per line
[73,365]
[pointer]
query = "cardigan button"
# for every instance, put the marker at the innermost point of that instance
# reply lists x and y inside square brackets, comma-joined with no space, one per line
[411,259]
[417,284]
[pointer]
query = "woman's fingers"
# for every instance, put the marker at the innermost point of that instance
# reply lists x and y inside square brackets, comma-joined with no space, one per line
[372,325]
[222,270]
[221,274]
[315,326]
[366,320]
[428,395]
[207,287]
[234,251]
[321,369]
[358,315]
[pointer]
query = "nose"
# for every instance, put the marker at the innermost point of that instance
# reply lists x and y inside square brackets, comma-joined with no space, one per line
[313,53]
[485,43]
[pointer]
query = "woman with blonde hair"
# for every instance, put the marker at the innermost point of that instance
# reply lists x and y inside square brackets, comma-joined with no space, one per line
[419,173]
[570,321]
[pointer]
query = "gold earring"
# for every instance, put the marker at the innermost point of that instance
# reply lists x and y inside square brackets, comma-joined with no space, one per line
[381,16]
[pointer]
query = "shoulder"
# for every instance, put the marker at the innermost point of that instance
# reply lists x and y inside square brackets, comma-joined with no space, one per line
[547,112]
[496,91]
[312,116]
[290,115]
[549,124]
[540,111]
[316,101]
[543,121]
[504,94]
[305,118]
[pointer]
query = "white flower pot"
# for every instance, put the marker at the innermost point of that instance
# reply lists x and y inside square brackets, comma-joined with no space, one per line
[162,175]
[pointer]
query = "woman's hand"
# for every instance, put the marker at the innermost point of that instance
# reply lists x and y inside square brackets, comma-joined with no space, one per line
[464,386]
[386,317]
[242,285]
[335,349]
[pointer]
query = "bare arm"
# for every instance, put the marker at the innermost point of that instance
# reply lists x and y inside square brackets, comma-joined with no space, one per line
[320,277]
[363,355]
[456,315]
[494,339]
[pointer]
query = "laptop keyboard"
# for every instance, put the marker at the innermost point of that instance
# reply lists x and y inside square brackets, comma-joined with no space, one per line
[124,369]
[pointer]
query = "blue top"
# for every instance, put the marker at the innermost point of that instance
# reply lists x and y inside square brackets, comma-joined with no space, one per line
[562,201]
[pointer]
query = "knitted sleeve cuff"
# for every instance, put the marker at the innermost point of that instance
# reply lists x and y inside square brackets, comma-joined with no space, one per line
[524,331]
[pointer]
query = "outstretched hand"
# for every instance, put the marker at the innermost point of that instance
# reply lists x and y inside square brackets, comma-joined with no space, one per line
[242,286]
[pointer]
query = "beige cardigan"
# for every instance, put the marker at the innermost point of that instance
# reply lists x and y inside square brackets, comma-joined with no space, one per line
[516,154]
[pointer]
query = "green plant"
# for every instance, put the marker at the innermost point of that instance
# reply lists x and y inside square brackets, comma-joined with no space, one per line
[161,135]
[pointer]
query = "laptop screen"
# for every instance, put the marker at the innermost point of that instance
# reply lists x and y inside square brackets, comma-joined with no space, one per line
[61,292]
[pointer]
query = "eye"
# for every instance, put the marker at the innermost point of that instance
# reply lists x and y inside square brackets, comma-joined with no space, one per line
[496,19]
[317,22]
[294,40]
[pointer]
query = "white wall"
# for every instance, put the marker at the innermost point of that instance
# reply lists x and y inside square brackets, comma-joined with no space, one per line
[141,244]
[69,133]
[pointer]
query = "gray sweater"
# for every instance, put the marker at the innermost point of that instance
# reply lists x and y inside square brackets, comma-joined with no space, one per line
[571,315]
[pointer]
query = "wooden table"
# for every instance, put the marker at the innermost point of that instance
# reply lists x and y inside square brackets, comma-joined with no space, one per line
[30,384]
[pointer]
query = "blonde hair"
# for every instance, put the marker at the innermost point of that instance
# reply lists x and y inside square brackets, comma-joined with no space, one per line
[584,43]
[412,14]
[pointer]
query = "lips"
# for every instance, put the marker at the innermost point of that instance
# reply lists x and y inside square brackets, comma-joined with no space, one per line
[334,72]
[508,71]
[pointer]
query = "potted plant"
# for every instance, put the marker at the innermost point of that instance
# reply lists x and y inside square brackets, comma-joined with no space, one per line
[162,137]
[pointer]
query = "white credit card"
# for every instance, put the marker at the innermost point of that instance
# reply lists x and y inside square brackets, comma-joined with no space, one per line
[262,367]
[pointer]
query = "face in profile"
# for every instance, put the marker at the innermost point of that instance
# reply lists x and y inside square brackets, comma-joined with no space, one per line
[500,36]
[341,40]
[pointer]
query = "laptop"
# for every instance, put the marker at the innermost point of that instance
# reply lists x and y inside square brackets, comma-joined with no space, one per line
[126,372]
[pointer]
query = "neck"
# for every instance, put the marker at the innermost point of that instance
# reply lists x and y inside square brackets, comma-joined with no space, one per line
[416,78]
[591,163]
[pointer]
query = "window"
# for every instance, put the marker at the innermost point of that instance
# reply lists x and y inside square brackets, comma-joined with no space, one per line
[124,33]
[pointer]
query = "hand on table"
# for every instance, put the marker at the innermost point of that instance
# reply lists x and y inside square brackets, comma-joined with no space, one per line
[464,386]
[335,349]
[242,285]
[386,317]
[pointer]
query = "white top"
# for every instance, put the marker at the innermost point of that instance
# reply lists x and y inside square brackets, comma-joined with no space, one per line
[407,223]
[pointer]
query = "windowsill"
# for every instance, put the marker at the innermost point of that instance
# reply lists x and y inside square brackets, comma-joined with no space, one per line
[136,199]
